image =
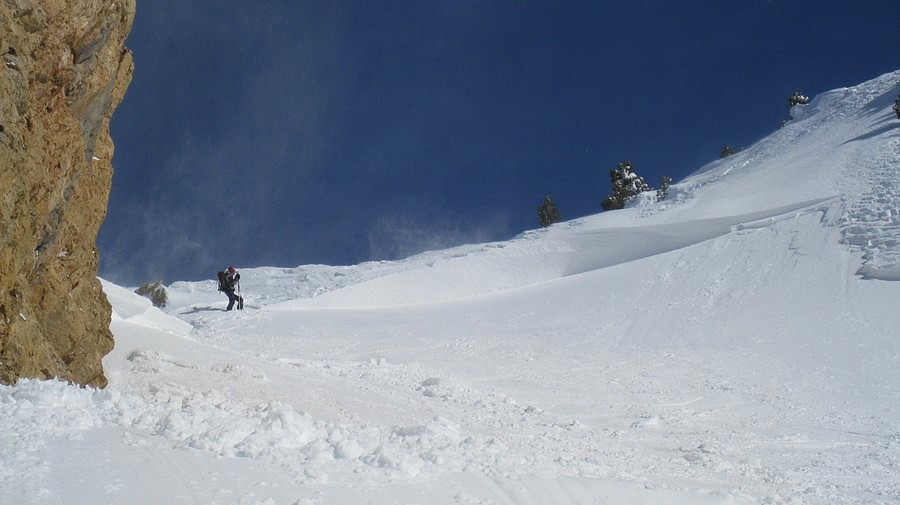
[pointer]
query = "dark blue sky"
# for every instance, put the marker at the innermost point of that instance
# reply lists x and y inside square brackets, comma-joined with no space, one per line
[283,133]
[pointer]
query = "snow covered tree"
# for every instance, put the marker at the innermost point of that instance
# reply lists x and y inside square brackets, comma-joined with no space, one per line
[548,213]
[661,193]
[797,98]
[626,184]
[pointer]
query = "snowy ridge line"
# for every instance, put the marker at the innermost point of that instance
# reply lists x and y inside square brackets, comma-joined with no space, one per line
[603,248]
[566,251]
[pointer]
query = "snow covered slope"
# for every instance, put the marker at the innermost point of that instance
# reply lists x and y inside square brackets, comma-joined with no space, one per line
[735,343]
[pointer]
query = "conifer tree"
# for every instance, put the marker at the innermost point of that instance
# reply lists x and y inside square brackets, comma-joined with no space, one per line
[797,98]
[626,183]
[548,213]
[661,193]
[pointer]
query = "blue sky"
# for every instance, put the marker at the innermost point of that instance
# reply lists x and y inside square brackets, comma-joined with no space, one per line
[293,132]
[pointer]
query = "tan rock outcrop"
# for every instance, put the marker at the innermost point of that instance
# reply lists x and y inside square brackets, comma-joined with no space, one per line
[63,70]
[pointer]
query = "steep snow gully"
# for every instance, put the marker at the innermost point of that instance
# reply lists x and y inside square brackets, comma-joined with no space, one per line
[736,343]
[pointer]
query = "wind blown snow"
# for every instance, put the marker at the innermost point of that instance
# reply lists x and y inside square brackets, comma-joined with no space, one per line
[735,343]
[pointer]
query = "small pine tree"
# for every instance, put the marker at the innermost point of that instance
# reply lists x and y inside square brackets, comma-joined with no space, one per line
[661,193]
[797,98]
[626,183]
[548,213]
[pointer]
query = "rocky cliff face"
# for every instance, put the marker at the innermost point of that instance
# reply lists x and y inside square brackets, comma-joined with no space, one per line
[63,70]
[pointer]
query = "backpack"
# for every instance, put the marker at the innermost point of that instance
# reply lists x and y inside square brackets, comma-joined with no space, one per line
[223,283]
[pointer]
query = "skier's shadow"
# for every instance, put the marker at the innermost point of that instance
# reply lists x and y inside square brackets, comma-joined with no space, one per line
[196,310]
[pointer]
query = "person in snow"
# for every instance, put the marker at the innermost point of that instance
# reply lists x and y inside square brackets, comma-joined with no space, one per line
[228,280]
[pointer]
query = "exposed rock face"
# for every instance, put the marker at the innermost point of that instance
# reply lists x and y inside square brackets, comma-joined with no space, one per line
[63,70]
[155,292]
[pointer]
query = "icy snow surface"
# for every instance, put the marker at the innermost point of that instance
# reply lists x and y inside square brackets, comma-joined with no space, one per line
[736,343]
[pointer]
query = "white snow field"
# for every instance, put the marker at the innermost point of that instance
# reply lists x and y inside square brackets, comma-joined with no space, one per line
[735,343]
